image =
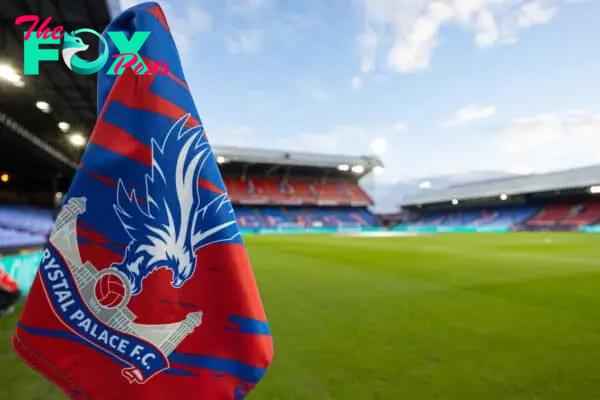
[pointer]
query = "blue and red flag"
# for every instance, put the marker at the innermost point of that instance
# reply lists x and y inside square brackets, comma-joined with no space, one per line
[145,290]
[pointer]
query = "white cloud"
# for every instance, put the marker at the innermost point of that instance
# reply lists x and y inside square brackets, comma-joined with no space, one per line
[579,111]
[379,146]
[256,93]
[245,6]
[240,136]
[345,139]
[242,130]
[469,114]
[290,27]
[367,47]
[380,78]
[352,140]
[400,127]
[551,135]
[316,92]
[356,82]
[186,23]
[245,41]
[535,13]
[416,25]
[520,170]
[285,143]
[342,139]
[260,103]
[266,16]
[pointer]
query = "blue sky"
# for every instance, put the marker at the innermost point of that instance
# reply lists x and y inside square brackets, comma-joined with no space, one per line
[434,87]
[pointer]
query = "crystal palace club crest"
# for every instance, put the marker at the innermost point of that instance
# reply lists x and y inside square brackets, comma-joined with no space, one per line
[164,232]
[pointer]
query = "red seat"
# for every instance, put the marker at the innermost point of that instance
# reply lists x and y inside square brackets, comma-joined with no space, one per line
[270,190]
[588,215]
[552,214]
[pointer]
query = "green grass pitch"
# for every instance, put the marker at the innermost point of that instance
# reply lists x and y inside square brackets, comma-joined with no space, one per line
[465,317]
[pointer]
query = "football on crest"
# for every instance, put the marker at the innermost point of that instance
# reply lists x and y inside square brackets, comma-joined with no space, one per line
[110,290]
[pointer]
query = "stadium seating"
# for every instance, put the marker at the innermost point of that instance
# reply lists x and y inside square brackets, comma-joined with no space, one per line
[568,215]
[12,238]
[270,217]
[504,216]
[563,214]
[247,218]
[553,214]
[295,191]
[587,215]
[23,226]
[481,217]
[273,217]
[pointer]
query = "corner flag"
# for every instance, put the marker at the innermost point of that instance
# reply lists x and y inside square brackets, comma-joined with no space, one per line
[145,290]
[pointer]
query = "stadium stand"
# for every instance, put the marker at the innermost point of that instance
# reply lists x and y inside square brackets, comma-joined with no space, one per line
[281,190]
[280,202]
[302,195]
[24,226]
[297,190]
[553,214]
[252,218]
[588,214]
[505,216]
[563,200]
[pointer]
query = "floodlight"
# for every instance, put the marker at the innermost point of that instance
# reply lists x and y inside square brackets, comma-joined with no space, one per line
[64,126]
[77,140]
[8,74]
[358,169]
[455,201]
[595,189]
[43,106]
[221,159]
[503,196]
[343,167]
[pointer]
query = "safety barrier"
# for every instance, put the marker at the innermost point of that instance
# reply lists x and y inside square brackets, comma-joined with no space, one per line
[455,229]
[268,231]
[402,228]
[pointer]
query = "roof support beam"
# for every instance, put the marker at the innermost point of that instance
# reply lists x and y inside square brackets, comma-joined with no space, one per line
[272,169]
[15,127]
[286,175]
